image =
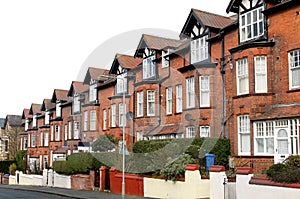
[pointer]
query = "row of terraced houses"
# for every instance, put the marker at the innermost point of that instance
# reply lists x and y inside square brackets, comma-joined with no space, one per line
[236,77]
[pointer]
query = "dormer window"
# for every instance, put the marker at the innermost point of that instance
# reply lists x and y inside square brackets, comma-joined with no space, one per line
[93,91]
[251,24]
[149,64]
[58,109]
[34,121]
[165,58]
[76,103]
[47,117]
[27,124]
[122,83]
[199,49]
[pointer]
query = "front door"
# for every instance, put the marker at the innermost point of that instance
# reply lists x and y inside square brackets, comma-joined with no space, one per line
[281,146]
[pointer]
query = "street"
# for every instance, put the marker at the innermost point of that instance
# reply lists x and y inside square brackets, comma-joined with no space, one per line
[13,194]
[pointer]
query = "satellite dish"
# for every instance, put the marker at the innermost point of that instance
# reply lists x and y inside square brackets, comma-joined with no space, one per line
[129,115]
[188,117]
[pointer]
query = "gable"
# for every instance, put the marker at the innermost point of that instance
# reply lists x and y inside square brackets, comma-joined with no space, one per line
[237,6]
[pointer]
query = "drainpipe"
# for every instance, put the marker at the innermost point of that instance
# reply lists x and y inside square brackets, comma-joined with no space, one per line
[222,70]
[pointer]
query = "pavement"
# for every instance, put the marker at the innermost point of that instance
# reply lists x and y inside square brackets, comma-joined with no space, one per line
[70,193]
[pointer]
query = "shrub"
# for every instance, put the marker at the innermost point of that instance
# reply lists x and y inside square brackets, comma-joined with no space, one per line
[12,168]
[105,143]
[176,169]
[4,165]
[20,161]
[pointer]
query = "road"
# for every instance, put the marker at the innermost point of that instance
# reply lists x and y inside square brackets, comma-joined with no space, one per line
[18,194]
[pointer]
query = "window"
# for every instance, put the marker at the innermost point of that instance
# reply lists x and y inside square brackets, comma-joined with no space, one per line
[46,139]
[122,83]
[93,91]
[149,67]
[263,138]
[165,59]
[190,92]
[76,104]
[52,133]
[204,131]
[93,120]
[294,63]
[199,49]
[57,133]
[140,104]
[190,132]
[34,121]
[69,130]
[58,109]
[41,139]
[204,91]
[29,140]
[76,130]
[179,98]
[251,24]
[27,124]
[47,118]
[6,146]
[139,136]
[150,103]
[25,144]
[122,117]
[113,115]
[242,76]
[244,134]
[33,137]
[169,100]
[260,64]
[66,132]
[85,121]
[104,119]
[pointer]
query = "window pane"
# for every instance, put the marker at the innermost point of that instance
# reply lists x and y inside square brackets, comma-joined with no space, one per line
[245,143]
[260,145]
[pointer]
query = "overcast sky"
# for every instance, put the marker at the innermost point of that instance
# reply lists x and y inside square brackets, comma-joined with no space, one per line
[46,44]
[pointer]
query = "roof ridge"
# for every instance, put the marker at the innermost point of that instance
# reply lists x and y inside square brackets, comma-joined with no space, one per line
[160,37]
[211,13]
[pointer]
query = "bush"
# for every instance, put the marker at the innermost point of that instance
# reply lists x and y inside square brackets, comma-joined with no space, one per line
[289,172]
[4,165]
[176,169]
[105,143]
[20,161]
[12,169]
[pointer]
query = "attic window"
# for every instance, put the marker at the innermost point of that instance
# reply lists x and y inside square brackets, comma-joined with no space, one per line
[165,59]
[149,67]
[199,49]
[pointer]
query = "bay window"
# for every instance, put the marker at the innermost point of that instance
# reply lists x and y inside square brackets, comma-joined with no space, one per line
[190,132]
[93,120]
[169,100]
[179,98]
[260,65]
[204,91]
[113,115]
[140,104]
[150,103]
[244,134]
[122,114]
[190,92]
[242,76]
[294,65]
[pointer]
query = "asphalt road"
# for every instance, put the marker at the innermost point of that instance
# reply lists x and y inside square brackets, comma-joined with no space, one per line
[16,194]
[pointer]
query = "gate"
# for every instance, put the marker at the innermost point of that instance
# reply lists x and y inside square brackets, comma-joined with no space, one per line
[97,178]
[107,180]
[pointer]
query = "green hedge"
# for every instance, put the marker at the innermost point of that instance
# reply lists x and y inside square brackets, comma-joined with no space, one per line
[4,165]
[77,163]
[21,160]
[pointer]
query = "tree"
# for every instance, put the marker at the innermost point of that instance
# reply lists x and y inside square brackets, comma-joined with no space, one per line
[105,143]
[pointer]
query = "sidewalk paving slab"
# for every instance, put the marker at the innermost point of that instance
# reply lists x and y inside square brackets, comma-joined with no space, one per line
[71,193]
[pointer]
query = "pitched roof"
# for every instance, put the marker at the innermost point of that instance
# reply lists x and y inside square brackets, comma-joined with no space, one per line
[166,130]
[14,120]
[2,122]
[156,43]
[281,111]
[77,87]
[94,73]
[47,104]
[59,94]
[212,20]
[125,61]
[26,114]
[35,108]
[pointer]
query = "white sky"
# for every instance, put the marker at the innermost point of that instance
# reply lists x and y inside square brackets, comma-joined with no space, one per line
[45,43]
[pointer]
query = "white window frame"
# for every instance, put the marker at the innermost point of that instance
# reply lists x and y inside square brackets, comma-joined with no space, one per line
[263,132]
[29,140]
[113,115]
[150,103]
[179,98]
[140,104]
[139,136]
[93,120]
[69,130]
[122,83]
[169,100]
[27,124]
[204,131]
[149,67]
[122,114]
[58,109]
[243,124]
[247,24]
[104,119]
[46,138]
[190,92]
[204,86]
[34,120]
[190,132]
[294,69]
[25,143]
[85,121]
[242,76]
[66,132]
[76,130]
[33,140]
[93,91]
[52,133]
[199,49]
[41,139]
[57,132]
[165,59]
[261,79]
[76,103]
[47,117]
